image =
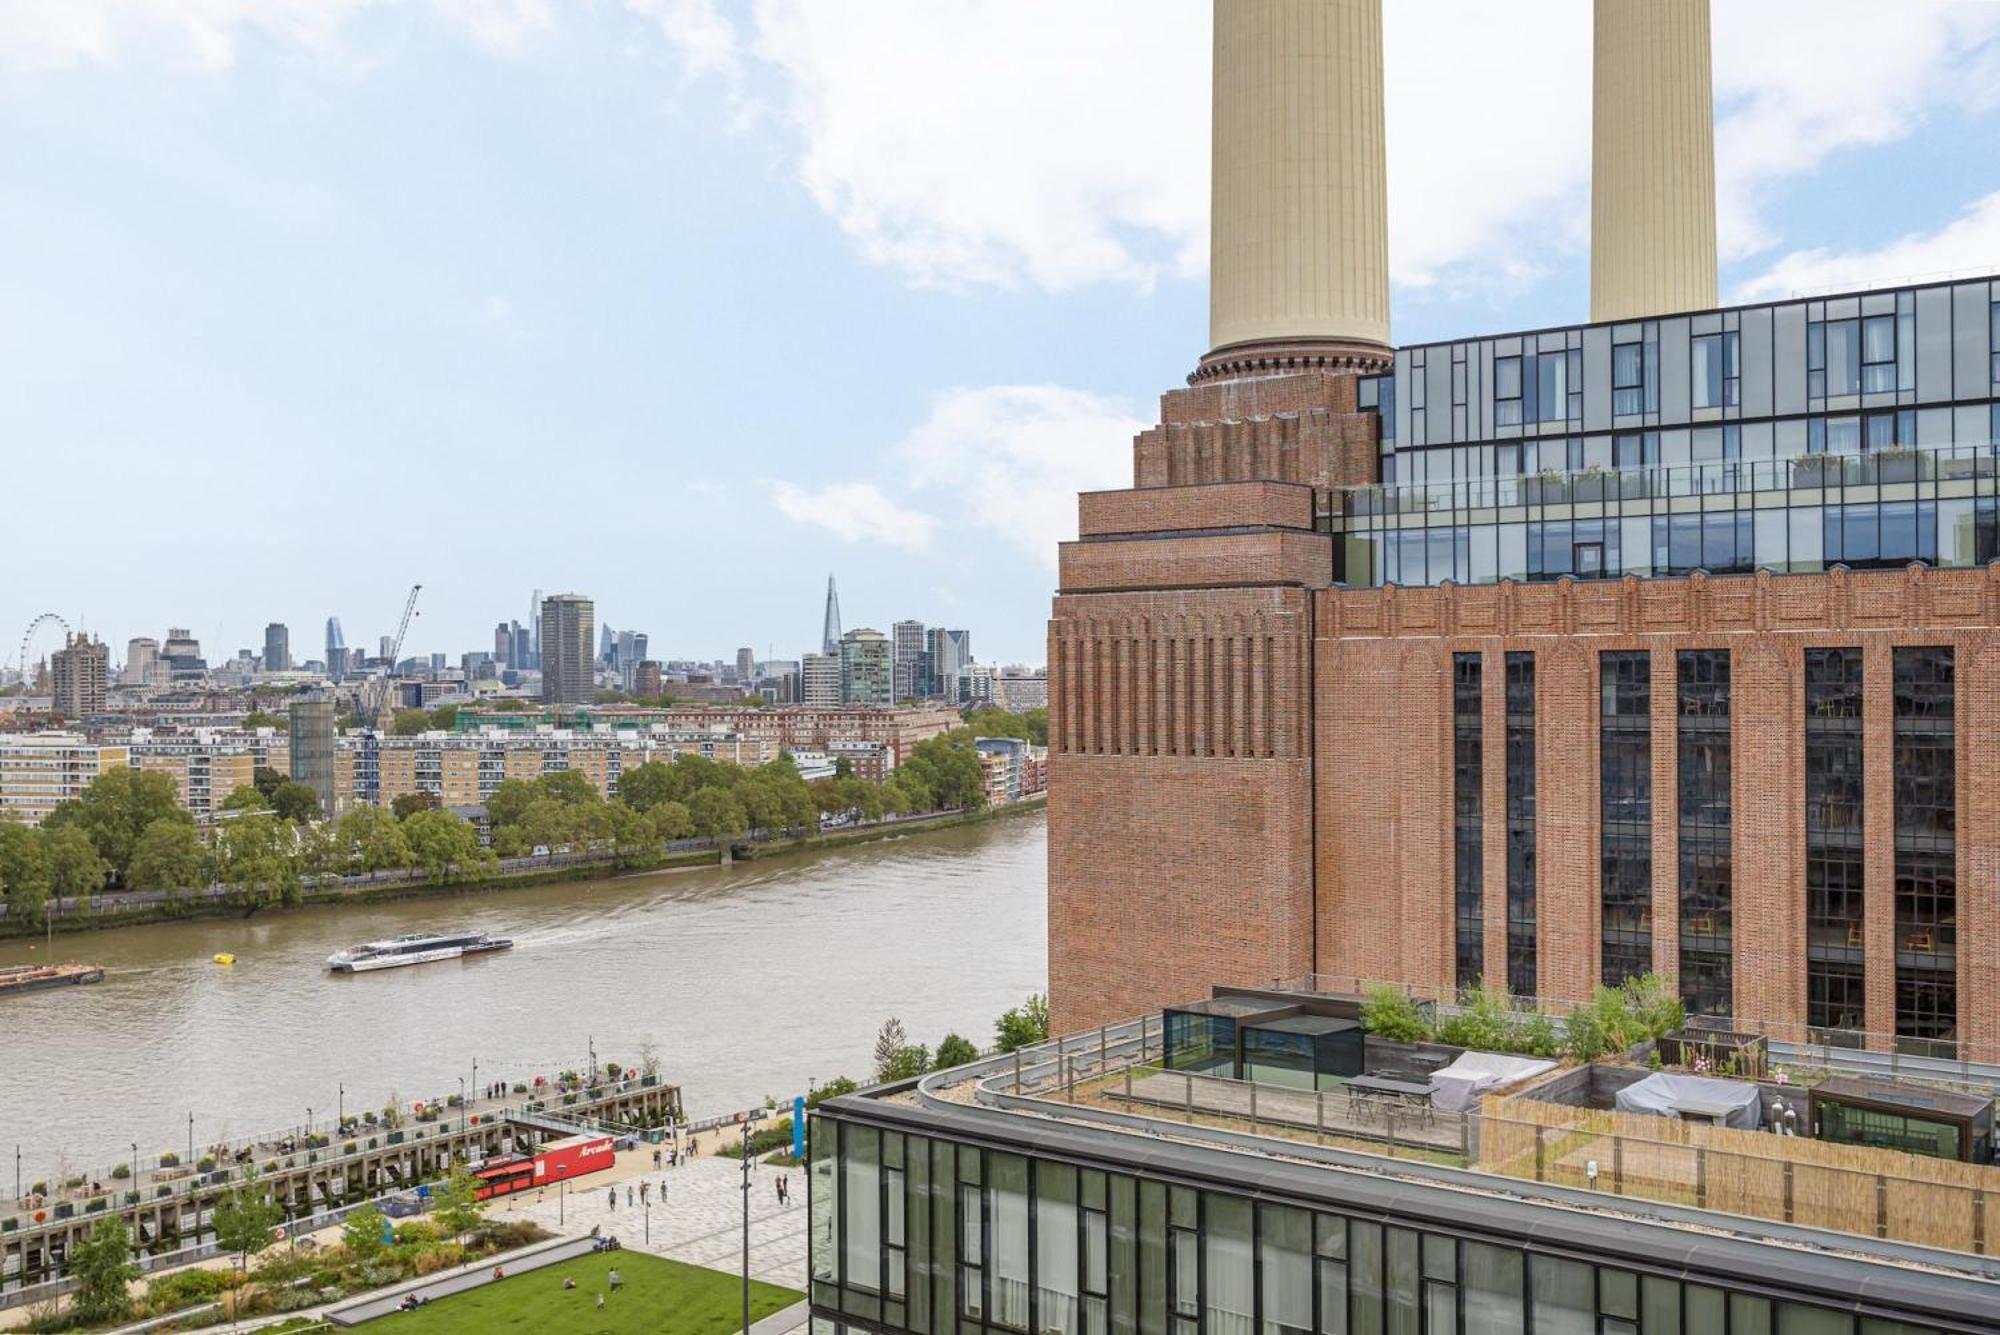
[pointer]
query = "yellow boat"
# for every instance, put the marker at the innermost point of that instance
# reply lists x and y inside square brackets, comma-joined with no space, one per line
[224,958]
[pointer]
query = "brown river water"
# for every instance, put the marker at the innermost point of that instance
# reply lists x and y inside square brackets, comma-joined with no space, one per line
[750,980]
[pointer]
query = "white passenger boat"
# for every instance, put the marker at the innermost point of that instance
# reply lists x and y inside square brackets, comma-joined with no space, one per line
[413,948]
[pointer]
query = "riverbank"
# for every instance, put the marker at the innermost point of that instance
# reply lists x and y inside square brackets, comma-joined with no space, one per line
[109,912]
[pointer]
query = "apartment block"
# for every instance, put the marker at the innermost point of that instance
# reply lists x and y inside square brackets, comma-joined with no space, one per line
[38,770]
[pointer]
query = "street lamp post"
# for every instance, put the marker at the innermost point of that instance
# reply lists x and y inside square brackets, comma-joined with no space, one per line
[17,1172]
[744,1118]
[135,1168]
[341,1111]
[475,1075]
[461,1105]
[190,1158]
[309,1121]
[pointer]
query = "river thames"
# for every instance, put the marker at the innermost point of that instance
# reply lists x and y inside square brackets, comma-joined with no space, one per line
[749,980]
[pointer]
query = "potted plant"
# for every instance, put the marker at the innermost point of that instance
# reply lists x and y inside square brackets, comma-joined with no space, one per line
[168,1159]
[1898,463]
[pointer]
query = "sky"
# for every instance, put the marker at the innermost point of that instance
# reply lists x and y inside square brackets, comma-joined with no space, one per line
[686,304]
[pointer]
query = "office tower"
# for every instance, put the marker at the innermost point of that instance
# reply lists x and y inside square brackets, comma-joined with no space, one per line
[907,648]
[535,629]
[1652,178]
[607,647]
[312,720]
[277,647]
[437,662]
[336,650]
[567,630]
[819,679]
[829,638]
[385,648]
[503,644]
[951,650]
[866,676]
[77,676]
[646,679]
[142,660]
[746,665]
[524,647]
[182,655]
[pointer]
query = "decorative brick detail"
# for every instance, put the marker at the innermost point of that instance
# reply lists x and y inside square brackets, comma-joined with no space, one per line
[1292,428]
[1180,509]
[1223,560]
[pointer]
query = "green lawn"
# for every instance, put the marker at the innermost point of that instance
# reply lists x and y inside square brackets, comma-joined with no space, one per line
[659,1297]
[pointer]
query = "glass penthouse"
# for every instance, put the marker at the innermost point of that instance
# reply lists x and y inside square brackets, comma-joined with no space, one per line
[971,1203]
[1853,430]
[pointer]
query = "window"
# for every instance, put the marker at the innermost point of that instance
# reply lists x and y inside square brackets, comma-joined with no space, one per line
[1833,358]
[1628,378]
[1520,743]
[1507,391]
[1836,997]
[1702,734]
[1625,760]
[1058,1250]
[1878,354]
[1284,1239]
[1993,342]
[1468,820]
[1923,771]
[1717,369]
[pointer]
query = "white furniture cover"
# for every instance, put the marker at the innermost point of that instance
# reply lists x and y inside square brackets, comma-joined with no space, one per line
[1724,1102]
[1457,1087]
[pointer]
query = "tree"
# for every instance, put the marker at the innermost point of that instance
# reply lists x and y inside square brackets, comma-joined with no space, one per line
[954,1051]
[257,718]
[670,820]
[246,797]
[243,1221]
[361,1233]
[456,1205]
[409,804]
[103,1268]
[296,802]
[644,787]
[166,858]
[570,787]
[717,814]
[890,1040]
[116,809]
[832,1089]
[1024,1025]
[75,870]
[410,723]
[372,840]
[948,767]
[266,780]
[510,801]
[255,858]
[843,767]
[447,848]
[24,869]
[908,1063]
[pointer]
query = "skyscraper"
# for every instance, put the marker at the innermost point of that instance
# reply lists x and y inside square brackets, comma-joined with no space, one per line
[336,650]
[312,746]
[866,676]
[503,645]
[907,649]
[746,665]
[567,626]
[277,647]
[535,631]
[142,658]
[951,650]
[829,638]
[77,673]
[819,679]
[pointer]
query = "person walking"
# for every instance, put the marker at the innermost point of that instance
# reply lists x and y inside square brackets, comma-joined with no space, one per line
[628,1193]
[614,1198]
[645,1188]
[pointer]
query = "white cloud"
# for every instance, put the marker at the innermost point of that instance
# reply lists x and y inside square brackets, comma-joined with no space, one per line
[1800,81]
[500,24]
[707,42]
[1969,244]
[201,34]
[1003,142]
[856,512]
[1012,458]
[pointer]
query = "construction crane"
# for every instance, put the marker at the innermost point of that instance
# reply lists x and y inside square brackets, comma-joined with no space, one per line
[375,691]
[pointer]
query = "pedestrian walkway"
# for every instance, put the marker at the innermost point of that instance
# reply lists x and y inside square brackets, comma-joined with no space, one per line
[701,1222]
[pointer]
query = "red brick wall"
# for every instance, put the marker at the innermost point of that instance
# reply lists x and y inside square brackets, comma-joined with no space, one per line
[1383,770]
[1215,505]
[1200,561]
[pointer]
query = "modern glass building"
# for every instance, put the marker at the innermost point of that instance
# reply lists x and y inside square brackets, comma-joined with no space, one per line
[1856,430]
[950,1208]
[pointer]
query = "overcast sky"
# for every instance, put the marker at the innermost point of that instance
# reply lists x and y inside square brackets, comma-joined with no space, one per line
[686,303]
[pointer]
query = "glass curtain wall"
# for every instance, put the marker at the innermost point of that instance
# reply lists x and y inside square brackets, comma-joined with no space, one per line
[981,1240]
[1836,871]
[1468,817]
[1520,745]
[1705,869]
[1625,762]
[1926,803]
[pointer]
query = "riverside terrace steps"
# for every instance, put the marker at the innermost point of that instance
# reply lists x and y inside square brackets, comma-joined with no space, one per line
[306,1180]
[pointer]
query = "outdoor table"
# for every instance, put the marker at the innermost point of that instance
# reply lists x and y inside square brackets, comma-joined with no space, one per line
[1363,1090]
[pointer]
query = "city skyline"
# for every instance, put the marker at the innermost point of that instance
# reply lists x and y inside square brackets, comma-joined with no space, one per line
[227,306]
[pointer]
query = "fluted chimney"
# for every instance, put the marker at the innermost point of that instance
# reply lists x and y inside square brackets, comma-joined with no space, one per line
[1652,171]
[1299,244]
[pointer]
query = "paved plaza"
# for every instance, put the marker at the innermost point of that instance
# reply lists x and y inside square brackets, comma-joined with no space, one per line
[701,1223]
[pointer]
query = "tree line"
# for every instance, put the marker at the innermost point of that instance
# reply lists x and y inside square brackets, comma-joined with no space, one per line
[128,830]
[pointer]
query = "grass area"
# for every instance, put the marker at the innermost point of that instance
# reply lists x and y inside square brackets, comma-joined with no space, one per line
[659,1297]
